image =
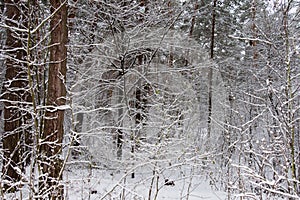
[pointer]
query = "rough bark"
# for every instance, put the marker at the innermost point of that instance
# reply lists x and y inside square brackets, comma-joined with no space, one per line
[52,136]
[15,96]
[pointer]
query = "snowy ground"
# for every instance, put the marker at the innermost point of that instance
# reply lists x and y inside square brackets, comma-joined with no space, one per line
[98,184]
[184,183]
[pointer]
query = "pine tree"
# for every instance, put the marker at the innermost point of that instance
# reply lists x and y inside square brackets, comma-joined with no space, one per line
[15,95]
[52,137]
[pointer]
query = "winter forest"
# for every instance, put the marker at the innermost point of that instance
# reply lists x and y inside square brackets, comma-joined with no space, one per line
[149,99]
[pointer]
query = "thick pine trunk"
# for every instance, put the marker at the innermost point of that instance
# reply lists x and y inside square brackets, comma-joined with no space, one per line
[51,147]
[15,96]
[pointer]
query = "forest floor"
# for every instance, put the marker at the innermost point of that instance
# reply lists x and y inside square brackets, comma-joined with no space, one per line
[180,183]
[95,184]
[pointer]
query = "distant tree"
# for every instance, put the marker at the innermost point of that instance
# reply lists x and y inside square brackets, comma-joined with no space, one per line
[268,144]
[210,72]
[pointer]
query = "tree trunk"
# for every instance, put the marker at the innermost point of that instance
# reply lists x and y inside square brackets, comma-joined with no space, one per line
[52,137]
[290,100]
[210,72]
[253,44]
[15,96]
[120,134]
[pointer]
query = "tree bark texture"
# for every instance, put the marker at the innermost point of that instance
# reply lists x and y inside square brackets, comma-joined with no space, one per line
[52,136]
[15,95]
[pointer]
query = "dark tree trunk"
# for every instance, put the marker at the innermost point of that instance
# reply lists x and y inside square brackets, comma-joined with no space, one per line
[51,147]
[15,96]
[210,72]
[196,7]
